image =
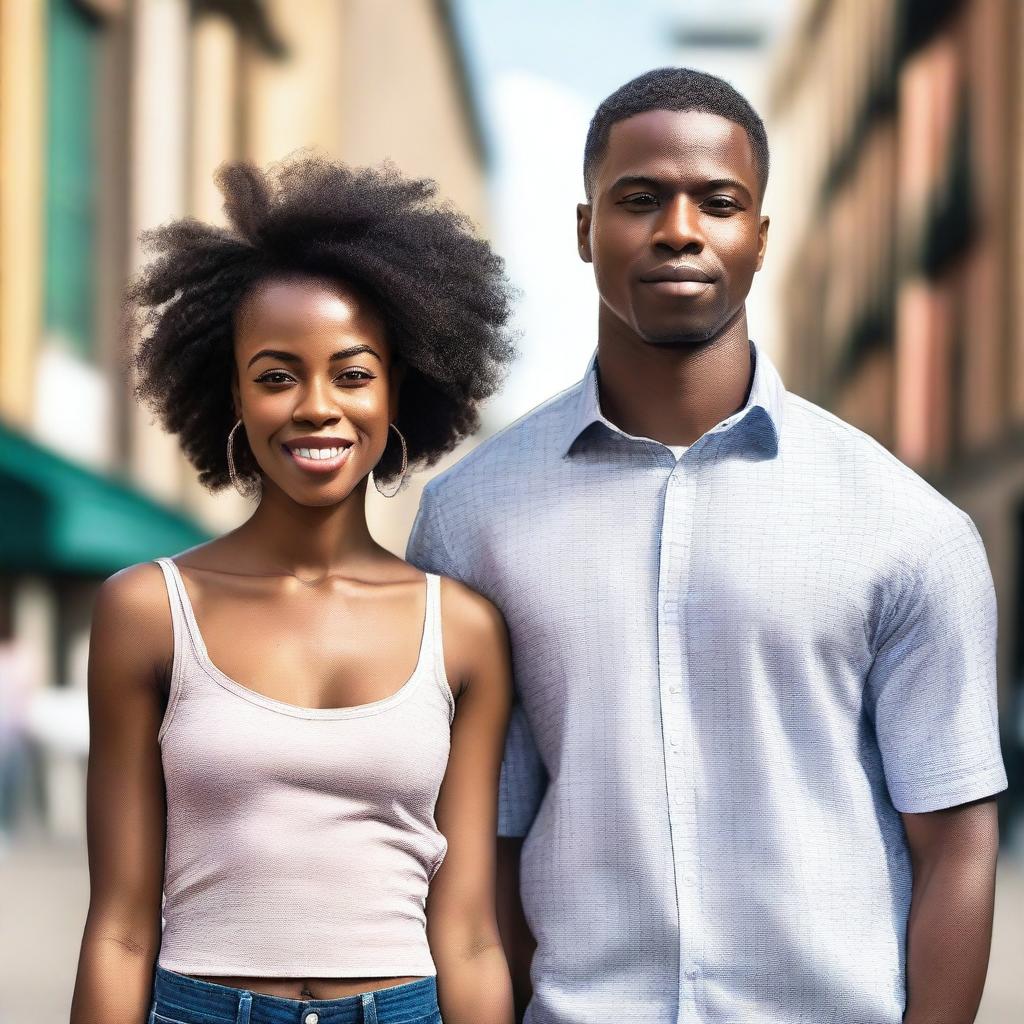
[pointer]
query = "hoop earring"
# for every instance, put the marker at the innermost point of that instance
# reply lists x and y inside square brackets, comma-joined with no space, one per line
[405,466]
[245,488]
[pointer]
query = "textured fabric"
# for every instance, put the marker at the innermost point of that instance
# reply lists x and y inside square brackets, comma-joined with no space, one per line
[300,841]
[182,1000]
[733,672]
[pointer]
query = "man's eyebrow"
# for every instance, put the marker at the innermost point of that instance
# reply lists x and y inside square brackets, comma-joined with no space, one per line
[727,183]
[643,181]
[291,357]
[629,180]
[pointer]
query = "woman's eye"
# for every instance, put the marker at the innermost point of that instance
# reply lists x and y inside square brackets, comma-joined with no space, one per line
[274,377]
[355,376]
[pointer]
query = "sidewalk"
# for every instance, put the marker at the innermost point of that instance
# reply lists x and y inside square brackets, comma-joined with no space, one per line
[45,888]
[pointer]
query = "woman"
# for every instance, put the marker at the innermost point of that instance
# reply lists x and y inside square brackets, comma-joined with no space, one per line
[275,713]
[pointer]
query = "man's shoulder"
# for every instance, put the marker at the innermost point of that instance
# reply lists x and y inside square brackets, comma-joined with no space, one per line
[529,444]
[867,465]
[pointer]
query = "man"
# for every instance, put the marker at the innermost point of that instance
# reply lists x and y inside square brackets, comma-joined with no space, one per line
[754,653]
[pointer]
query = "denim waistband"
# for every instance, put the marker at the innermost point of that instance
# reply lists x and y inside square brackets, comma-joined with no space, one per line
[183,1000]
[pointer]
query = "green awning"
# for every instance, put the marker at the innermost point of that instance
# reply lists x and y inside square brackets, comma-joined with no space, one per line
[56,516]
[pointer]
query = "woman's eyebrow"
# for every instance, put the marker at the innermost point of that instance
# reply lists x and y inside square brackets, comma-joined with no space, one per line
[291,357]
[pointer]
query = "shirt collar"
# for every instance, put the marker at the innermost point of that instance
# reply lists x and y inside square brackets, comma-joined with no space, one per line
[763,409]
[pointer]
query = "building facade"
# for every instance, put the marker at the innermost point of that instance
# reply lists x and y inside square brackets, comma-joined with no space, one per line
[898,140]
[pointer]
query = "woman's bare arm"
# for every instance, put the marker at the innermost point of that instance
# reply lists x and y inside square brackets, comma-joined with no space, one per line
[472,973]
[130,647]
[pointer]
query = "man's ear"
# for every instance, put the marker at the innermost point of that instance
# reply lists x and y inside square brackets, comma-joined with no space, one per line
[762,240]
[583,215]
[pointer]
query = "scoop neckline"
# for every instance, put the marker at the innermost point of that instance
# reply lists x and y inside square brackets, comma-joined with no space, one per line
[297,710]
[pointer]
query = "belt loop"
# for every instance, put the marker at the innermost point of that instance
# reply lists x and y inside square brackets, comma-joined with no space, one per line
[369,1009]
[244,1008]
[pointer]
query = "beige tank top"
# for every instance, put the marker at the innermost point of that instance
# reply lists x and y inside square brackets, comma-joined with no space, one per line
[300,841]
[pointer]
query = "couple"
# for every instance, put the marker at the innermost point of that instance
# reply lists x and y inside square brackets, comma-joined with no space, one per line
[751,754]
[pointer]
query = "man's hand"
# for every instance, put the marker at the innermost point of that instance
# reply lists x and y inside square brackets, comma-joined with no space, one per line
[516,937]
[950,929]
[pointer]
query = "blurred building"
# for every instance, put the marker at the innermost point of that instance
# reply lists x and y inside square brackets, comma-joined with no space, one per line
[898,129]
[113,116]
[737,41]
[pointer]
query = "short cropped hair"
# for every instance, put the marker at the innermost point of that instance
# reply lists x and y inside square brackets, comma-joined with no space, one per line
[677,89]
[440,290]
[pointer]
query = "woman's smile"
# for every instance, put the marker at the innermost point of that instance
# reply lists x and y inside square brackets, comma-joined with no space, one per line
[319,454]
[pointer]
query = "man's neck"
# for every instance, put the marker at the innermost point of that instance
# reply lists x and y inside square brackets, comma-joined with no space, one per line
[673,393]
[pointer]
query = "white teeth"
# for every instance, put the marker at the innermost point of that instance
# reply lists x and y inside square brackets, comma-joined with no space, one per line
[318,453]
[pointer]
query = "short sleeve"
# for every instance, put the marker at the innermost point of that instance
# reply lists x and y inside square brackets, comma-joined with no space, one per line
[428,547]
[932,685]
[523,778]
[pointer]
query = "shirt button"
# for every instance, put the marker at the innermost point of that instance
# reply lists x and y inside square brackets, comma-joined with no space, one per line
[673,688]
[674,739]
[312,1018]
[691,973]
[689,878]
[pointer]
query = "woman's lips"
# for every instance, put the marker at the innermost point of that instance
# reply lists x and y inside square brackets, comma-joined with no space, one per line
[314,465]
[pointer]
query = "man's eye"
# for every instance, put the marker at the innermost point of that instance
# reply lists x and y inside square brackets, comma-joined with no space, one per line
[722,203]
[274,377]
[639,199]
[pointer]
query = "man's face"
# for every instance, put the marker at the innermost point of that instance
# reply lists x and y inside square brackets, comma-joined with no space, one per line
[674,227]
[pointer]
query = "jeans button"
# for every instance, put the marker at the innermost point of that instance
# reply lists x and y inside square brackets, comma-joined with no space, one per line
[311,1018]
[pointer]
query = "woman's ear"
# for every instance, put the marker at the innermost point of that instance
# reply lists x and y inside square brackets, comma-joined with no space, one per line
[395,378]
[236,399]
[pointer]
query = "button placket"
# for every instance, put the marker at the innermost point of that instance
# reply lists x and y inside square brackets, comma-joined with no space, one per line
[676,718]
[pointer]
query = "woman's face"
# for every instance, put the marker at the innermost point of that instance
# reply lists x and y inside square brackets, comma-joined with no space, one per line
[315,386]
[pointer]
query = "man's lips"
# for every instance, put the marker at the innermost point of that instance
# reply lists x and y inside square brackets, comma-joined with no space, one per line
[680,279]
[677,272]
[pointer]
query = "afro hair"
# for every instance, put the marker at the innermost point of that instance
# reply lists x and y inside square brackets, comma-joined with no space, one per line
[440,290]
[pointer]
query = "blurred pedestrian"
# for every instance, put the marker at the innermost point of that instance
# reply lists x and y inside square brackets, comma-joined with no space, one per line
[282,745]
[16,675]
[750,771]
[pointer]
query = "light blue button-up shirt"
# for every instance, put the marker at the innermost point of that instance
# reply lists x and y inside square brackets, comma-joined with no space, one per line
[733,671]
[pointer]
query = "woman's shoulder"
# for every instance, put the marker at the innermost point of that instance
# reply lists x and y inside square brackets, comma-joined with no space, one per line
[467,607]
[135,601]
[137,590]
[132,633]
[472,624]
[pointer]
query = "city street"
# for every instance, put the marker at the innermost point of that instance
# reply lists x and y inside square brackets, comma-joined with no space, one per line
[45,887]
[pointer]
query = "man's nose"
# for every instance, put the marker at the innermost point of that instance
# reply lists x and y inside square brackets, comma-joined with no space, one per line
[679,226]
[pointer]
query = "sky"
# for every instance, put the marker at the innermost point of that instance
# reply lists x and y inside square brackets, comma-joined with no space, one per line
[538,70]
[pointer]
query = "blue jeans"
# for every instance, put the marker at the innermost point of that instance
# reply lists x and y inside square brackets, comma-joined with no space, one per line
[181,1000]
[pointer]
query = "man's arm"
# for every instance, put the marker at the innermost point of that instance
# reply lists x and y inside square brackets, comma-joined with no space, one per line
[516,936]
[953,853]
